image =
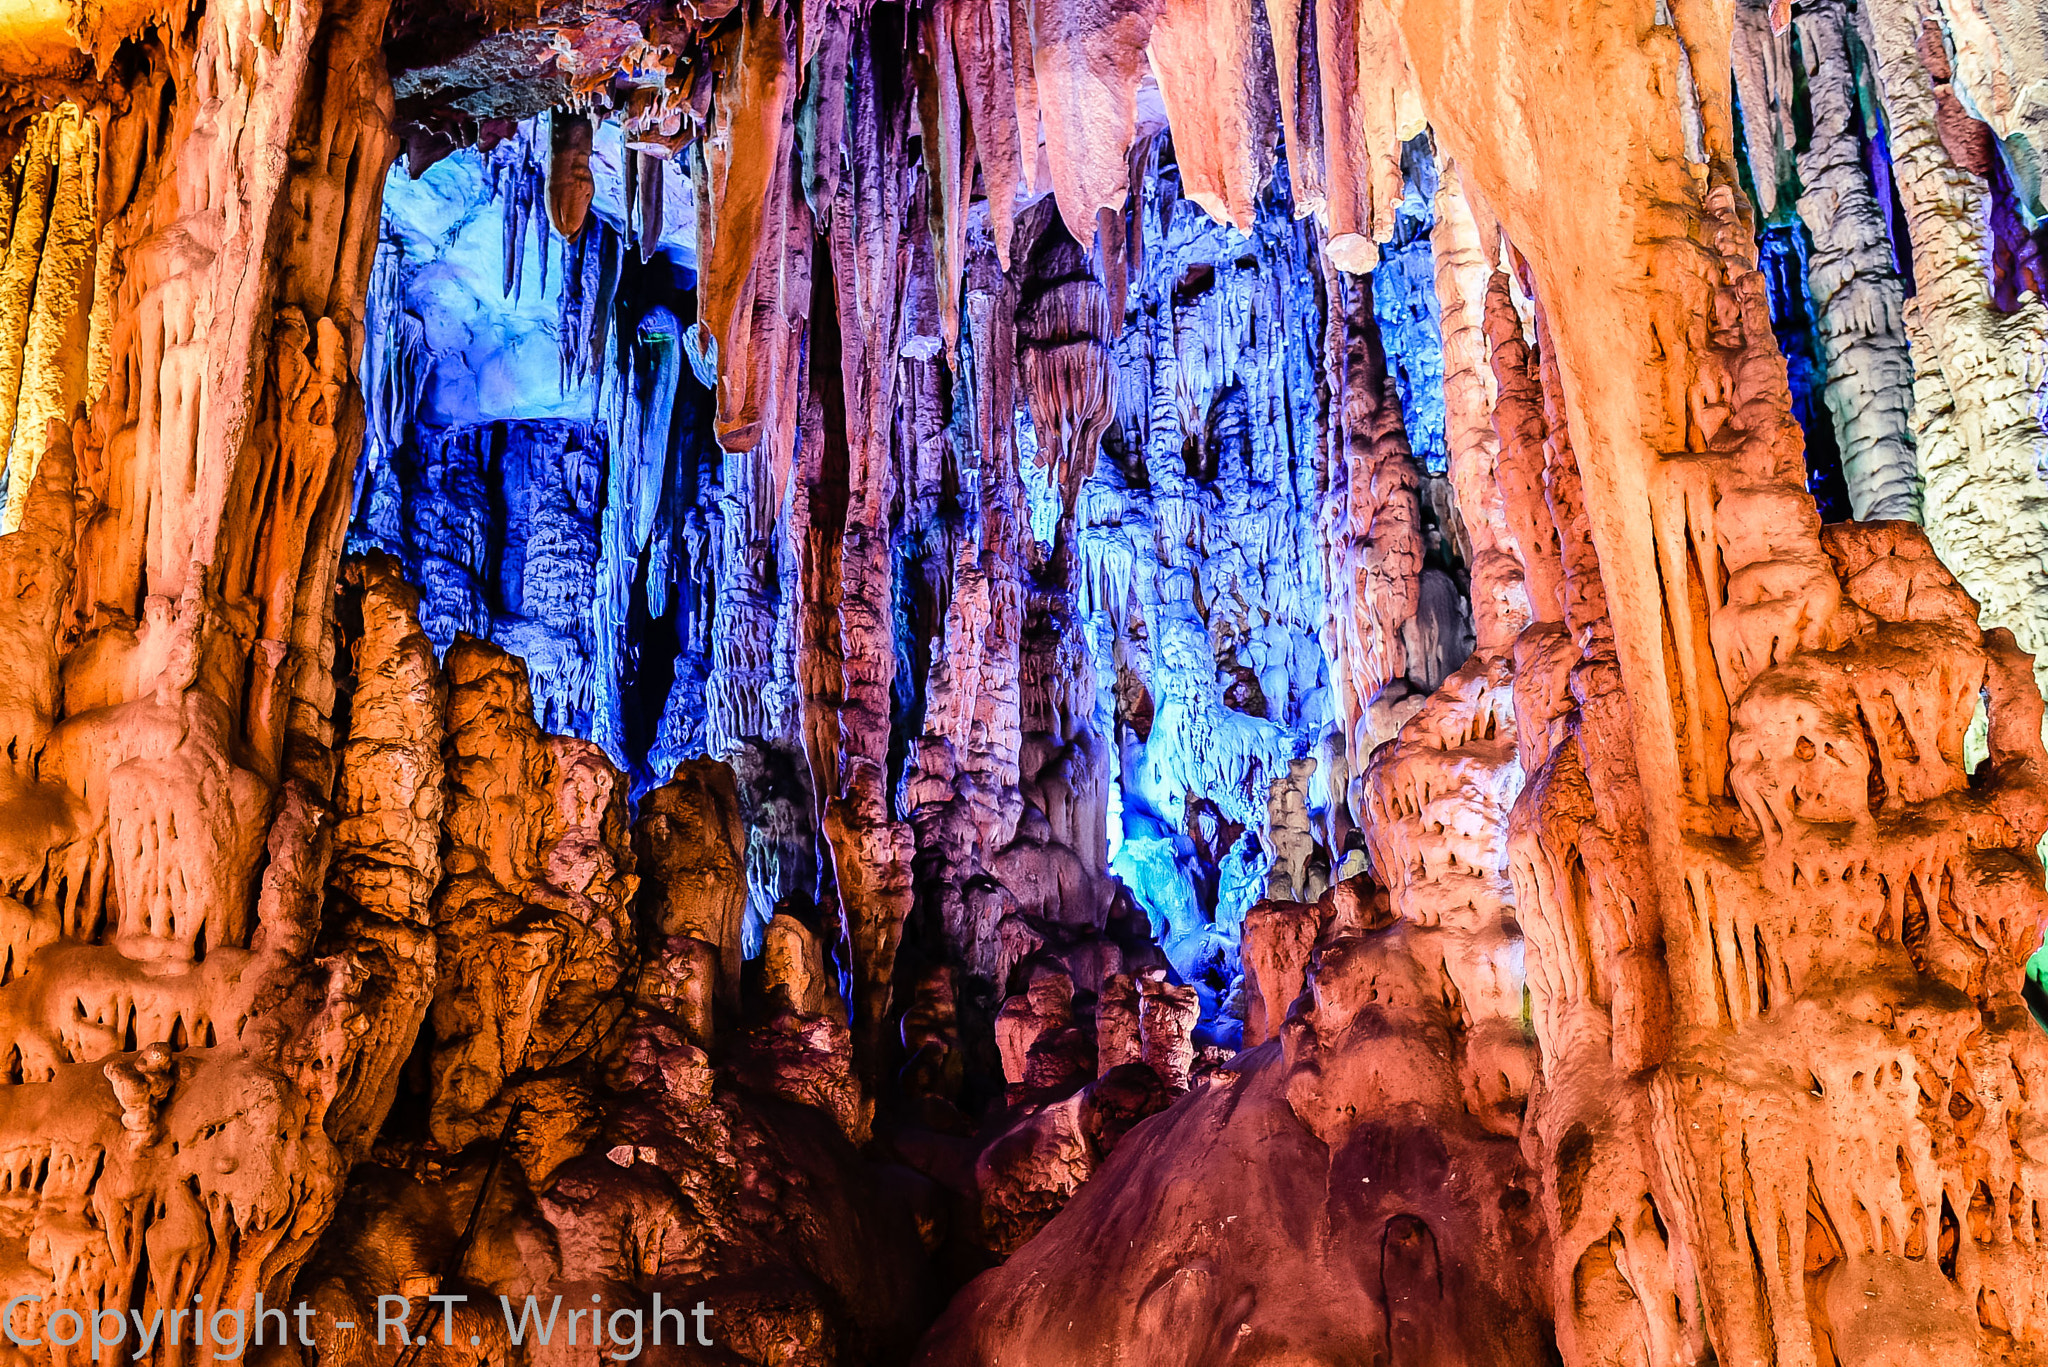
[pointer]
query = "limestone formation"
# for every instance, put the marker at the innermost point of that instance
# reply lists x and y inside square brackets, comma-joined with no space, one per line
[1975,376]
[1858,297]
[1024,681]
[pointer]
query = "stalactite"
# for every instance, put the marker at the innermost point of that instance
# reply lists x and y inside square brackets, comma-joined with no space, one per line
[1858,298]
[46,292]
[1369,109]
[1005,144]
[1761,47]
[589,276]
[1987,512]
[1027,601]
[519,183]
[741,200]
[646,200]
[1209,57]
[35,558]
[1064,329]
[394,378]
[207,495]
[1086,61]
[569,182]
[644,395]
[945,135]
[1404,302]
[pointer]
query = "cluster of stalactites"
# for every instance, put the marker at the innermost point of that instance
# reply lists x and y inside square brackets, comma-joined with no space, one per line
[49,225]
[1050,92]
[1195,343]
[541,177]
[605,506]
[1807,101]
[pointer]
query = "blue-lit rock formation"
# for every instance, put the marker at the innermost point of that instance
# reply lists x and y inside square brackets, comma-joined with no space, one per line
[1404,302]
[1196,565]
[534,448]
[540,461]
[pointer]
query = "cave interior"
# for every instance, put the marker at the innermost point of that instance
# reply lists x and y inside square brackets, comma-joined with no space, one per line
[1049,682]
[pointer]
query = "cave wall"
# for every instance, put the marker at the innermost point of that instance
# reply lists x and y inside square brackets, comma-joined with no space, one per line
[720,678]
[186,262]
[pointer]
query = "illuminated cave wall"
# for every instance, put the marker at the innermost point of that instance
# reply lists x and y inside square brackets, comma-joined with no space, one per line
[1030,683]
[507,362]
[540,459]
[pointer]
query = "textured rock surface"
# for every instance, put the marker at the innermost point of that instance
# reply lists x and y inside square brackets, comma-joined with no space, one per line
[1976,366]
[1181,654]
[1858,297]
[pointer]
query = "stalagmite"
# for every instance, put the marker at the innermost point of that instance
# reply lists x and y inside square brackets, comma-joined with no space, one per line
[1116,1023]
[1045,1006]
[1279,939]
[685,840]
[1166,1019]
[530,913]
[850,666]
[390,800]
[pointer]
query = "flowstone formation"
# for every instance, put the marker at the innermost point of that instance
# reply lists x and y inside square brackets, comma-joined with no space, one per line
[988,682]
